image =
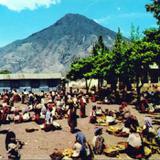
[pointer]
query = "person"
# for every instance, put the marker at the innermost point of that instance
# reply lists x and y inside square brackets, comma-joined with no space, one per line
[13,150]
[124,110]
[93,115]
[72,117]
[148,130]
[82,107]
[12,146]
[131,122]
[9,136]
[135,147]
[143,105]
[98,141]
[99,111]
[81,149]
[158,137]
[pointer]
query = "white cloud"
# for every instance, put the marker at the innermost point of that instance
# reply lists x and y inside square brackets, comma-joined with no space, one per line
[19,5]
[102,20]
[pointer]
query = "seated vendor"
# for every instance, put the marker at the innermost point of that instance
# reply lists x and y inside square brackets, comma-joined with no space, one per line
[135,148]
[93,115]
[148,130]
[98,141]
[81,150]
[131,122]
[124,111]
[99,111]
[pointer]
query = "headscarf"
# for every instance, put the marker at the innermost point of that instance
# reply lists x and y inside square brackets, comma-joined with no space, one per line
[97,131]
[80,138]
[148,121]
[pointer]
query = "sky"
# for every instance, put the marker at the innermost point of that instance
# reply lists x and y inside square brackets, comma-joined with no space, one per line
[21,18]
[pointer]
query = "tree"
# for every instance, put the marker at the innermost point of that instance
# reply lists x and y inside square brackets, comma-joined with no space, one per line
[154,8]
[80,68]
[141,55]
[152,35]
[5,71]
[99,47]
[117,58]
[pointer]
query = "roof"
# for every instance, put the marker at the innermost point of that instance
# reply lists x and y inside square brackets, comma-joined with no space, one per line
[18,76]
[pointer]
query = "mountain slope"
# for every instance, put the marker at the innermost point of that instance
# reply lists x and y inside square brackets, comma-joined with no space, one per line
[53,49]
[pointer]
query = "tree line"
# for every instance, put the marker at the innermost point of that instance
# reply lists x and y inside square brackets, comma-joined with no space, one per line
[127,62]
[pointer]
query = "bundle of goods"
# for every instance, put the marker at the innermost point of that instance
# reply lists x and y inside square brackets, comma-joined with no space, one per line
[113,129]
[56,155]
[29,130]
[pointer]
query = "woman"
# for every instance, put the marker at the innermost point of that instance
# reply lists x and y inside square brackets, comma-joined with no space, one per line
[98,141]
[135,146]
[10,135]
[81,150]
[72,117]
[13,150]
[131,122]
[148,130]
[82,107]
[124,110]
[93,115]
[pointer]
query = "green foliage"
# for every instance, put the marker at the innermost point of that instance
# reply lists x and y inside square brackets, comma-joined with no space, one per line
[152,35]
[128,61]
[5,72]
[154,8]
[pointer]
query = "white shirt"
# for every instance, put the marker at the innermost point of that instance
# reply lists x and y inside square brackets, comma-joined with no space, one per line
[134,140]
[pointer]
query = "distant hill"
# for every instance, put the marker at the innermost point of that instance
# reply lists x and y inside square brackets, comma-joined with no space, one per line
[53,49]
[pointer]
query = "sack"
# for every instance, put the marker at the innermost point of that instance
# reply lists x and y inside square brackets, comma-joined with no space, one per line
[99,146]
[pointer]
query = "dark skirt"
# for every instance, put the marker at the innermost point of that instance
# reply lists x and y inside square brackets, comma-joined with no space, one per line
[82,111]
[135,152]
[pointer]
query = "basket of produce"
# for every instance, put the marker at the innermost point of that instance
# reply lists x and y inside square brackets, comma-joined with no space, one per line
[101,121]
[111,151]
[147,151]
[121,146]
[124,144]
[113,129]
[68,152]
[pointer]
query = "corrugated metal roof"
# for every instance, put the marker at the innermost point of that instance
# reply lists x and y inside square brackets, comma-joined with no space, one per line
[18,76]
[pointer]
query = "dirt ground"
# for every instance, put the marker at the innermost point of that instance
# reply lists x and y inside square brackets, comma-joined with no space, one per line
[40,144]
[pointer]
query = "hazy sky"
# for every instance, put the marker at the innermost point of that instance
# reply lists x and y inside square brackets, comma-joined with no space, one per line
[20,18]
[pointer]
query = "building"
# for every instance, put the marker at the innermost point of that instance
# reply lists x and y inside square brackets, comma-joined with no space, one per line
[30,81]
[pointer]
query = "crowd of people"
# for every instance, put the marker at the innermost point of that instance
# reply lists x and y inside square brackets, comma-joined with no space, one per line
[45,108]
